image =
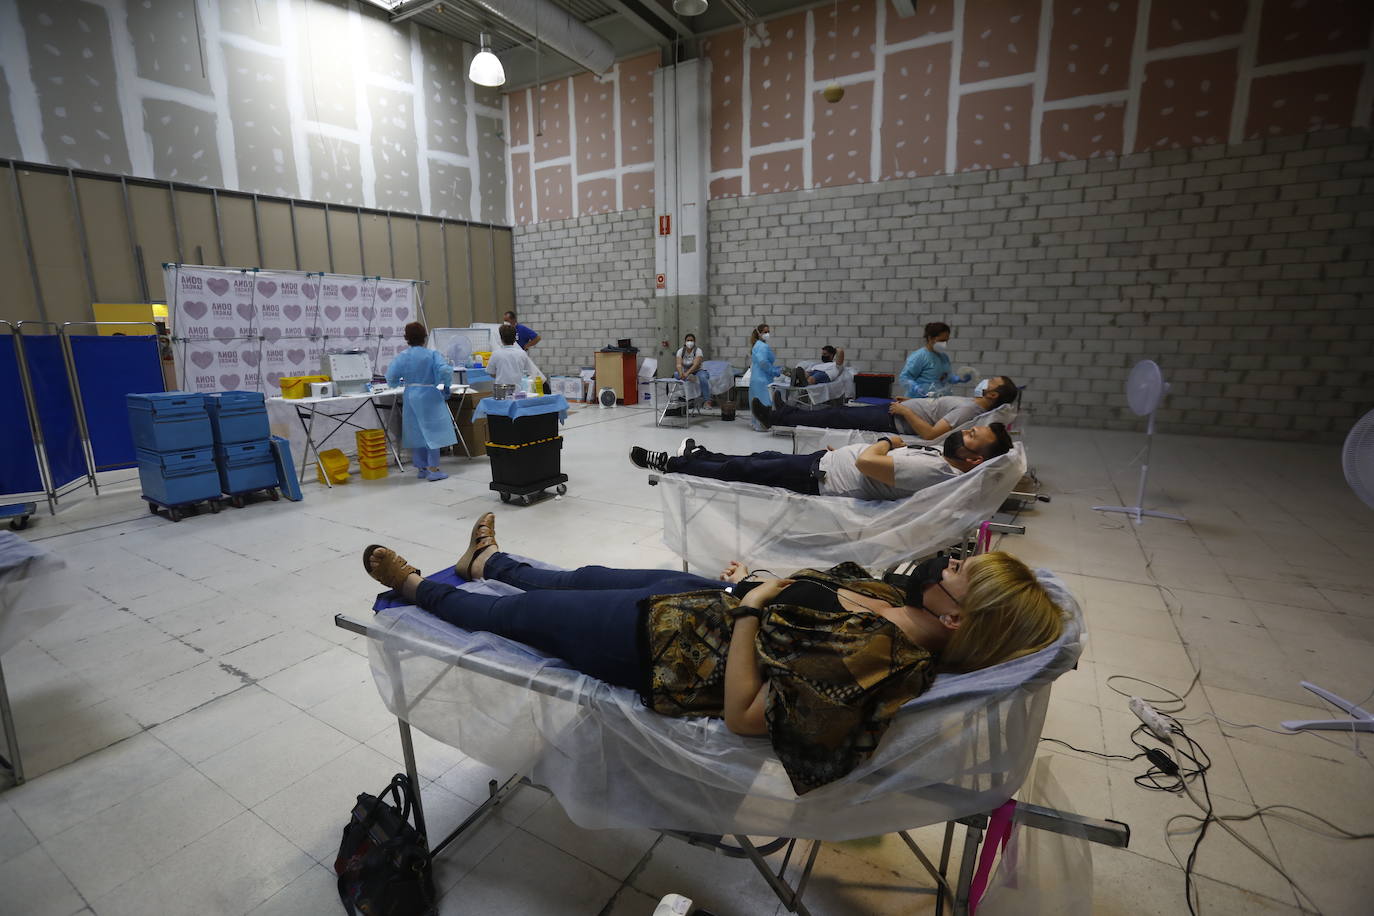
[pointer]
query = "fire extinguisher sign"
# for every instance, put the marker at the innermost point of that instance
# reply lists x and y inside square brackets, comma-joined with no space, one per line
[665,224]
[662,281]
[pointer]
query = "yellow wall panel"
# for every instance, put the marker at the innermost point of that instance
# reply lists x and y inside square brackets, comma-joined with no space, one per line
[405,247]
[503,255]
[19,303]
[199,237]
[154,232]
[435,292]
[483,287]
[107,237]
[376,246]
[310,237]
[56,246]
[344,241]
[278,244]
[459,275]
[240,233]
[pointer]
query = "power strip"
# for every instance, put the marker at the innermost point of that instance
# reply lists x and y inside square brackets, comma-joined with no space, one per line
[1152,720]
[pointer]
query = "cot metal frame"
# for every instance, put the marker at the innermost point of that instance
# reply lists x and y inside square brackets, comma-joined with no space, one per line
[948,889]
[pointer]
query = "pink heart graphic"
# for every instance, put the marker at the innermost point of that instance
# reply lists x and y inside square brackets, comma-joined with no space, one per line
[218,285]
[267,288]
[385,293]
[310,289]
[368,312]
[332,312]
[292,312]
[274,377]
[203,358]
[351,333]
[385,331]
[229,382]
[251,357]
[246,312]
[349,292]
[272,335]
[224,333]
[401,312]
[296,356]
[196,310]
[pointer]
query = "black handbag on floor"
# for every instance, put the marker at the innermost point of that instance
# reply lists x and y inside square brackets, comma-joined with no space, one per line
[383,864]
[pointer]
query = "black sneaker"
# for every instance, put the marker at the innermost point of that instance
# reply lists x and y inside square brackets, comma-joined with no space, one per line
[688,446]
[649,461]
[778,400]
[761,413]
[799,378]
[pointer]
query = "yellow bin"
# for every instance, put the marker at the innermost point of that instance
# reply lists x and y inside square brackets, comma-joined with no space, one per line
[298,386]
[333,463]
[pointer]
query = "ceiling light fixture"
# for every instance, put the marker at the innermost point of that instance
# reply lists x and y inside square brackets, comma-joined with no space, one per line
[486,69]
[689,7]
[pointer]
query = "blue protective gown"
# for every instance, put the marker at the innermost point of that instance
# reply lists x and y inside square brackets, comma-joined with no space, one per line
[925,372]
[763,371]
[426,422]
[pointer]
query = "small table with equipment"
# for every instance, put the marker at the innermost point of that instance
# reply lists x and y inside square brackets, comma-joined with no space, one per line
[525,445]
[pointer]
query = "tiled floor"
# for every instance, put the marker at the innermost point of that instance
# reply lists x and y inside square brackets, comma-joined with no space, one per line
[195,728]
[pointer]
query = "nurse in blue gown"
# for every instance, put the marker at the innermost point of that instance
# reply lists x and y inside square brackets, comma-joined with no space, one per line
[427,425]
[763,368]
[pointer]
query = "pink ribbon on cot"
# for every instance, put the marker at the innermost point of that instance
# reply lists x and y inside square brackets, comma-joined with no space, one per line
[999,832]
[984,536]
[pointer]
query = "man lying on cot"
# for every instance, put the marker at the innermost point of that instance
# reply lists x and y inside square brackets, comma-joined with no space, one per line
[827,370]
[886,469]
[820,661]
[924,418]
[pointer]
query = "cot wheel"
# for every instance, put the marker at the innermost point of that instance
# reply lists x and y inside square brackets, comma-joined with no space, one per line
[20,523]
[272,492]
[237,502]
[214,507]
[174,514]
[152,508]
[505,497]
[561,489]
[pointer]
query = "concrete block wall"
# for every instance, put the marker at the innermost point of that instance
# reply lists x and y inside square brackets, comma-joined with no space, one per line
[584,283]
[1243,269]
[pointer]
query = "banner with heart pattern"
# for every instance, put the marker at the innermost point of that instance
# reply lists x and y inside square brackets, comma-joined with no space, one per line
[244,329]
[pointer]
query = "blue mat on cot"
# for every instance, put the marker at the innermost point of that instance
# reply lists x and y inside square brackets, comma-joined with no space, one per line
[392,598]
[877,402]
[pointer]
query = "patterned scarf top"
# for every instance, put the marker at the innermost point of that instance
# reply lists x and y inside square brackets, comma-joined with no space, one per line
[835,679]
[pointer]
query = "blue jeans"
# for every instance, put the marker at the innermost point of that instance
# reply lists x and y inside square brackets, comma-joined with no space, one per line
[769,469]
[594,622]
[869,416]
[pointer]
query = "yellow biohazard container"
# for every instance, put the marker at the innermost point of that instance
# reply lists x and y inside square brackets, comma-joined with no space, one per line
[370,473]
[294,387]
[334,463]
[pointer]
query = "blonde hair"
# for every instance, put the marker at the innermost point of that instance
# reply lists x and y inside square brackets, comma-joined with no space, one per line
[1006,614]
[757,334]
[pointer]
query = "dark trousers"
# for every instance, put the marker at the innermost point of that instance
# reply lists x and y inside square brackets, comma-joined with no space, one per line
[769,469]
[869,416]
[589,617]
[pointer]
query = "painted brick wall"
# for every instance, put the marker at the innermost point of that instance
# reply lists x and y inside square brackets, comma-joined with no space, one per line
[1244,269]
[583,283]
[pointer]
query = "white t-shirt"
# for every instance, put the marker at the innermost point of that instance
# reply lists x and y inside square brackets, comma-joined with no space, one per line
[509,364]
[954,409]
[830,369]
[914,469]
[688,360]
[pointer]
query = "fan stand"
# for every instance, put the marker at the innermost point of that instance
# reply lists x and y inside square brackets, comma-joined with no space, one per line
[1138,509]
[1360,721]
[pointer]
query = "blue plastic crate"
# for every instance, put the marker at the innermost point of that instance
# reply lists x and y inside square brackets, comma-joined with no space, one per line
[238,416]
[246,466]
[169,421]
[176,478]
[286,469]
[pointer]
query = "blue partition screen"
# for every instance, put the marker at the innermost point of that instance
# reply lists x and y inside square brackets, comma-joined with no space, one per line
[56,411]
[18,464]
[107,369]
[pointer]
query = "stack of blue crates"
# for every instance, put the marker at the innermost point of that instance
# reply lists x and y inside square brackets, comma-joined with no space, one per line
[175,447]
[243,443]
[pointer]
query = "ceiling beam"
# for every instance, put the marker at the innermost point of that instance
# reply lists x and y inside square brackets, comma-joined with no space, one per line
[672,21]
[405,12]
[659,35]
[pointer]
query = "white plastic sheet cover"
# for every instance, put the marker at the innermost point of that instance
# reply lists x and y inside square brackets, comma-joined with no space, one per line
[711,522]
[813,438]
[284,422]
[33,590]
[962,747]
[816,395]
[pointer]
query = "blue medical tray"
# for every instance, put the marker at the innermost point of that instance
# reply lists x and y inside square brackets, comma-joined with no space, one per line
[246,466]
[238,416]
[287,480]
[175,478]
[169,421]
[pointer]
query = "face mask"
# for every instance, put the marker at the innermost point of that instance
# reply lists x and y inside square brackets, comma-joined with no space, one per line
[980,388]
[953,442]
[941,346]
[827,357]
[689,345]
[929,572]
[765,335]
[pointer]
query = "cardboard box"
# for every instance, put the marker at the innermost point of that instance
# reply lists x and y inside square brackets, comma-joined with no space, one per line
[475,435]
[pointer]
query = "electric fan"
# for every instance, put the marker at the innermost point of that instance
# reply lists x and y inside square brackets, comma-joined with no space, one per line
[606,397]
[1357,459]
[1145,388]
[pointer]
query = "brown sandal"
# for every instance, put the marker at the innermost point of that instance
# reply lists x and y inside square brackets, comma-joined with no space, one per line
[477,543]
[391,570]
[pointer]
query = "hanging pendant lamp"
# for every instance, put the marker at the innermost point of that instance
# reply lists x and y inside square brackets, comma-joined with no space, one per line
[689,7]
[486,69]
